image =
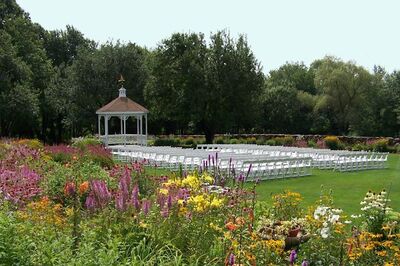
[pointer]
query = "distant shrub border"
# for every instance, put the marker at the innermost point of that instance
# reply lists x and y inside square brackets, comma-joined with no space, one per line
[356,143]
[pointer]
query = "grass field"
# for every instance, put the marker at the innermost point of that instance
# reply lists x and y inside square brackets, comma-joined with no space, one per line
[348,188]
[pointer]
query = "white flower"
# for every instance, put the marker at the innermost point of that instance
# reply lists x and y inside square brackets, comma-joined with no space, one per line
[325,232]
[334,218]
[347,222]
[363,202]
[355,216]
[337,210]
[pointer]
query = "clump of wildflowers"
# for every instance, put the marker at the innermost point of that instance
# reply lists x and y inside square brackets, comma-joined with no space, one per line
[374,209]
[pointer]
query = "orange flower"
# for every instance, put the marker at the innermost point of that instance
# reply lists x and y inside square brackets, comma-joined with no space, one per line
[231,226]
[69,189]
[83,187]
[240,221]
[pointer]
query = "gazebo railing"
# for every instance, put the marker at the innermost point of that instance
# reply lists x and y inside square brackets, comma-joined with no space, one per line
[124,139]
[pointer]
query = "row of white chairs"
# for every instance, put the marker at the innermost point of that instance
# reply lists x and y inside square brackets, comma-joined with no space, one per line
[321,158]
[356,162]
[263,166]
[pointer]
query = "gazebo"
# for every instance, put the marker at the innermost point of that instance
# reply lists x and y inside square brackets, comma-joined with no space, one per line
[123,108]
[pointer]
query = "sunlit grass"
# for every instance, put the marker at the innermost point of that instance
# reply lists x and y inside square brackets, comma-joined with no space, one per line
[348,188]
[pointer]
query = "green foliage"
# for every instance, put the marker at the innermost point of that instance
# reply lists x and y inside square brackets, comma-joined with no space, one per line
[234,141]
[333,143]
[170,141]
[83,143]
[312,144]
[381,145]
[284,141]
[251,140]
[54,81]
[219,140]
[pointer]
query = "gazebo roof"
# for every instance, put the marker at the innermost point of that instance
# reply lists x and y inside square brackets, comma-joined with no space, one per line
[122,104]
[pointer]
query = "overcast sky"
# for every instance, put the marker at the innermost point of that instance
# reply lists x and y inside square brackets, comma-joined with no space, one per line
[364,31]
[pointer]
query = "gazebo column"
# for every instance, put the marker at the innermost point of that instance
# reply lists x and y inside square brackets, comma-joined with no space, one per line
[146,123]
[122,129]
[125,117]
[146,130]
[106,117]
[99,124]
[137,126]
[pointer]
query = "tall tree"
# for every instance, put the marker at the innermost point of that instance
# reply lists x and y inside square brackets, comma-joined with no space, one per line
[178,81]
[93,81]
[343,86]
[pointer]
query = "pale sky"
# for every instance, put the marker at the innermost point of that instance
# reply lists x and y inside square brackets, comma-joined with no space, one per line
[364,31]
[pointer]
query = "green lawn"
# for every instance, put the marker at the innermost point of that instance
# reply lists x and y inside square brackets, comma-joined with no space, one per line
[348,188]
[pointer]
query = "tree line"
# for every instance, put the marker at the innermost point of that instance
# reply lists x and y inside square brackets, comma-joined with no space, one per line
[52,82]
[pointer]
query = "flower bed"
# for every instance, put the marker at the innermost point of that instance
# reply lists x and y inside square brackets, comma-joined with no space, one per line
[78,211]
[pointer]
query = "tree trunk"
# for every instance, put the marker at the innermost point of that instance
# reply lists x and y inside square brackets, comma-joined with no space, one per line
[209,136]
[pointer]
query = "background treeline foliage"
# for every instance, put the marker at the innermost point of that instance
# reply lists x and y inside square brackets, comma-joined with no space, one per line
[52,82]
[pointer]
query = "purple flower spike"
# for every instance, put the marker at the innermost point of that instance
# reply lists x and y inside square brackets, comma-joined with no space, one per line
[135,197]
[240,178]
[146,207]
[90,202]
[248,171]
[292,257]
[231,259]
[169,202]
[164,213]
[305,263]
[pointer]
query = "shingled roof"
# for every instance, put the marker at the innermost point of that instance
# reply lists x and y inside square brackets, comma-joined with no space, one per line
[122,105]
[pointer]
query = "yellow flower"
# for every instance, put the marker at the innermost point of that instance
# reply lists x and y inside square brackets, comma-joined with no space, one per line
[191,181]
[143,225]
[163,191]
[207,178]
[381,253]
[216,203]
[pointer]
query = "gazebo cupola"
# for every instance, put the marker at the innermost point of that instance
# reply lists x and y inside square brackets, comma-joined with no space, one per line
[123,108]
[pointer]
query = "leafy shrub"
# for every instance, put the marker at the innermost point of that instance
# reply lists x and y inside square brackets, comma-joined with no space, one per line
[234,141]
[311,143]
[251,140]
[219,140]
[360,147]
[397,147]
[381,145]
[173,142]
[260,141]
[189,142]
[271,142]
[31,143]
[333,142]
[284,141]
[99,155]
[61,153]
[83,143]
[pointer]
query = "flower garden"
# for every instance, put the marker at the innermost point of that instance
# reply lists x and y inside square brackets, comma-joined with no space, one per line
[73,205]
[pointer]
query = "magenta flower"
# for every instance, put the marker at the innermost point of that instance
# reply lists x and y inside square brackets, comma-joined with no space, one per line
[146,206]
[292,257]
[100,194]
[231,259]
[305,263]
[135,197]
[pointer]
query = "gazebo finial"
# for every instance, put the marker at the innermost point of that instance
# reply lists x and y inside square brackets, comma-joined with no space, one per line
[122,90]
[121,80]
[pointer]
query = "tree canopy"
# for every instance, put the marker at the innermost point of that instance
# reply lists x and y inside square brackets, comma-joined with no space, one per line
[52,82]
